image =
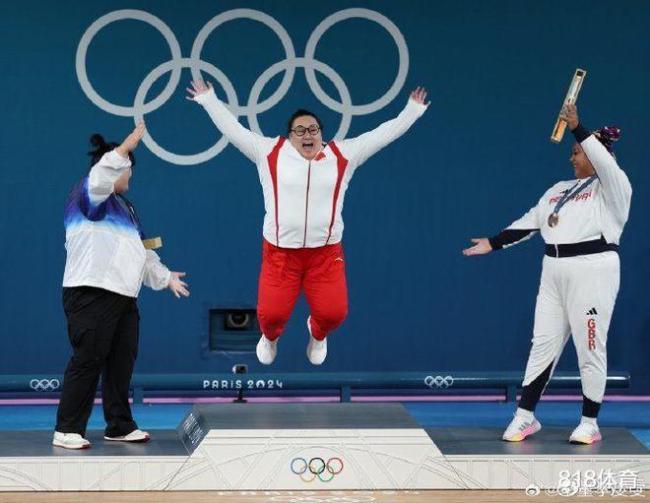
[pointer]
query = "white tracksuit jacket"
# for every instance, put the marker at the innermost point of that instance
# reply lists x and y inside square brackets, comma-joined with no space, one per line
[577,294]
[601,209]
[304,199]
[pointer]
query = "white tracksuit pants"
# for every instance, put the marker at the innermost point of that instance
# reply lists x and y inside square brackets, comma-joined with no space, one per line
[576,296]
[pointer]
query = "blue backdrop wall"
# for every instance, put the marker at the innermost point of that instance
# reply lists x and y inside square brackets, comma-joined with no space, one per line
[496,71]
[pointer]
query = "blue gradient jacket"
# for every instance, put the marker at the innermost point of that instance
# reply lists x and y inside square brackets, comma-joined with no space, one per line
[103,238]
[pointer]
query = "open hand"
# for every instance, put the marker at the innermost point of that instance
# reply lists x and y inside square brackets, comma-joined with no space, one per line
[419,95]
[198,87]
[481,247]
[177,285]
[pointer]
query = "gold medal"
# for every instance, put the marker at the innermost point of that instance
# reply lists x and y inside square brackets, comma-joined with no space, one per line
[553,219]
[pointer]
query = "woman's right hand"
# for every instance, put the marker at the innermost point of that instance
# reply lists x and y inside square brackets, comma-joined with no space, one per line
[419,95]
[481,247]
[131,142]
[198,87]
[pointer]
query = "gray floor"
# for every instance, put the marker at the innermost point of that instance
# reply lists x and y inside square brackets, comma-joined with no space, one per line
[549,441]
[304,416]
[251,416]
[457,440]
[39,443]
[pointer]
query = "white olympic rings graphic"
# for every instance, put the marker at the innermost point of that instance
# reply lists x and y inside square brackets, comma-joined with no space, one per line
[439,381]
[253,106]
[44,384]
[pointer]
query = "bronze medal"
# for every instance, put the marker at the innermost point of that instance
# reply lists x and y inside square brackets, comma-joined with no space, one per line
[553,219]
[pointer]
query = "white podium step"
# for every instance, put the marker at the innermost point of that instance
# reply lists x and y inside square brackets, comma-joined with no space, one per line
[333,446]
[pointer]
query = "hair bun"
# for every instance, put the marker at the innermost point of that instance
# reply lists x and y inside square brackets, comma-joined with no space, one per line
[608,135]
[97,140]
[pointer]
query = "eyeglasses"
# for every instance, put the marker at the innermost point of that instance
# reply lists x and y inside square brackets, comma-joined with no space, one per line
[301,130]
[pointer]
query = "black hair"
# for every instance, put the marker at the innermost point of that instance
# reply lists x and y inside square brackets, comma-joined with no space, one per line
[102,147]
[301,113]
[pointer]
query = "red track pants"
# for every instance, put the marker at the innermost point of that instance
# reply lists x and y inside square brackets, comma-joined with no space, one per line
[285,271]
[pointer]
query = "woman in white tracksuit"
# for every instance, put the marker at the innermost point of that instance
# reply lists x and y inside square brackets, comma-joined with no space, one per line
[581,222]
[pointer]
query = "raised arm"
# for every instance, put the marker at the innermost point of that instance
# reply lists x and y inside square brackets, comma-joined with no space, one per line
[111,166]
[359,149]
[616,187]
[250,144]
[518,231]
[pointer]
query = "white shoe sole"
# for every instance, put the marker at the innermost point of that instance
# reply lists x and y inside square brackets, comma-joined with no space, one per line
[522,435]
[140,440]
[57,443]
[586,440]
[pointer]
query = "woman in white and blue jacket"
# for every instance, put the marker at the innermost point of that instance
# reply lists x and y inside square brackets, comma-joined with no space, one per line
[105,267]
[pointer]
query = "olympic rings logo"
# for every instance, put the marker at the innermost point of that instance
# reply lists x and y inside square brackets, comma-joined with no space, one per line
[44,384]
[316,468]
[253,106]
[439,382]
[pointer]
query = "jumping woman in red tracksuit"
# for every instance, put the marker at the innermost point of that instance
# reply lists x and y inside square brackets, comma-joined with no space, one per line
[304,182]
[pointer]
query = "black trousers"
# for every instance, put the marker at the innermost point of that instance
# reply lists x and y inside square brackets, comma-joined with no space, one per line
[103,332]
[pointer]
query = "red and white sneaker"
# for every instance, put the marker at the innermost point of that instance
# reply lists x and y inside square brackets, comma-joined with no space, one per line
[135,436]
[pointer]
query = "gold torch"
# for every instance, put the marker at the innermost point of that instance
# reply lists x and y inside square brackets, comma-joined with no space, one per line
[571,98]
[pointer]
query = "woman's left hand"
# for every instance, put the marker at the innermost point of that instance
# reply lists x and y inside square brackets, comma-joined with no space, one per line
[131,142]
[198,87]
[569,114]
[177,285]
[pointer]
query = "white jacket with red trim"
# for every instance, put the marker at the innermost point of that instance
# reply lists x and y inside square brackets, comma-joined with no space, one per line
[304,199]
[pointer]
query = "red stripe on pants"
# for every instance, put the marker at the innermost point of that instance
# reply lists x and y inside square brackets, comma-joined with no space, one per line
[320,272]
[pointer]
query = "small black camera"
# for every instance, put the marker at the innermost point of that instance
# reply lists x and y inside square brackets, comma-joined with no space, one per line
[240,368]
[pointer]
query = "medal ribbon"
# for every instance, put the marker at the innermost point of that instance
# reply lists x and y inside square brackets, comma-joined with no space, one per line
[131,209]
[572,192]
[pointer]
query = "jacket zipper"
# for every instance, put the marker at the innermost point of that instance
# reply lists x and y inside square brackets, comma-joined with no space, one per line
[304,239]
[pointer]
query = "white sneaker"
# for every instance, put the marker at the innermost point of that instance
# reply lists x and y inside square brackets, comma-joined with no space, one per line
[70,441]
[134,436]
[520,428]
[586,433]
[316,350]
[266,350]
